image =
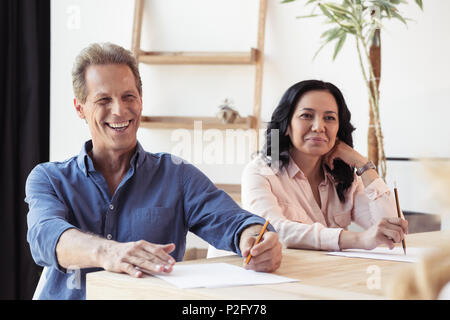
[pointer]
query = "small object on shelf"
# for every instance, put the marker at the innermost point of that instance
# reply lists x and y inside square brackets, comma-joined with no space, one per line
[226,113]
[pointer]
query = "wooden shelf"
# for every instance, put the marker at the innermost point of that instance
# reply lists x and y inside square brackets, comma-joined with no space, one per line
[154,57]
[168,122]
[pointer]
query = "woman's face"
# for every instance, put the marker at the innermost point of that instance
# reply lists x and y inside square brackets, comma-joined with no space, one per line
[314,124]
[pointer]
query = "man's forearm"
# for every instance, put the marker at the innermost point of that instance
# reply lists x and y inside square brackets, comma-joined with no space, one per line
[79,249]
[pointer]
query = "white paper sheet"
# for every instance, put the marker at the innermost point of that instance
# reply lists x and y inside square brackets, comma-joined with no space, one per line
[213,275]
[383,253]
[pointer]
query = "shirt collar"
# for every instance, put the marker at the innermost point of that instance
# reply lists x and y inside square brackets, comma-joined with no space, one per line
[139,156]
[85,162]
[293,170]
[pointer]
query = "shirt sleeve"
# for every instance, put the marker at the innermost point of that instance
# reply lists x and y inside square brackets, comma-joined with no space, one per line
[373,203]
[46,219]
[212,214]
[257,197]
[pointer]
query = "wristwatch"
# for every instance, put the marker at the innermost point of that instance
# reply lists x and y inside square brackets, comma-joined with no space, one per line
[364,168]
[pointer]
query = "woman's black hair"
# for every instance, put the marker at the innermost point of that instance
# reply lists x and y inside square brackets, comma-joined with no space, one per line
[281,118]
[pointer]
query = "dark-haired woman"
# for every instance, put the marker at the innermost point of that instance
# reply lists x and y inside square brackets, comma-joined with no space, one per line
[305,182]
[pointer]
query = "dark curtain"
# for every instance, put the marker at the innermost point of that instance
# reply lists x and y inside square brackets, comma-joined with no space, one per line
[24,118]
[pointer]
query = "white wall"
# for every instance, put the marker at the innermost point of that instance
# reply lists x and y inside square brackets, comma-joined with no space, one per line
[415,92]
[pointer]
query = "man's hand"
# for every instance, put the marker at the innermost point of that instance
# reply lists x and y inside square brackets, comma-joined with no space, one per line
[146,256]
[83,250]
[266,255]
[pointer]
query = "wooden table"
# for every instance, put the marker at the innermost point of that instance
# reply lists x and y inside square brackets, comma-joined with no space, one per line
[321,276]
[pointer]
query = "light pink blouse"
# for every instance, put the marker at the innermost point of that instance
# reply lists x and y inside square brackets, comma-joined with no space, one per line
[286,199]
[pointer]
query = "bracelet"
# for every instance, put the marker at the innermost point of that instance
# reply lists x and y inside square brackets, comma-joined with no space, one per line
[364,168]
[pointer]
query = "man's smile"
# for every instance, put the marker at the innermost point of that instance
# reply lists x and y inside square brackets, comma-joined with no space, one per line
[119,126]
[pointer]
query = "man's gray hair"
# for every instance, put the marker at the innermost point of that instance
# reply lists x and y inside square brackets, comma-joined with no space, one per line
[101,54]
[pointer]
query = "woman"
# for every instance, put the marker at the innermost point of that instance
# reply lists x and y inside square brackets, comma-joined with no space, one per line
[306,185]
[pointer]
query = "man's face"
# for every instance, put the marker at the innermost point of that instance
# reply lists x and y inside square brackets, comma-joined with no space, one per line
[113,107]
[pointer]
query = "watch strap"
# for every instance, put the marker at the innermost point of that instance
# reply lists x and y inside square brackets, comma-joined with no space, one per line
[364,168]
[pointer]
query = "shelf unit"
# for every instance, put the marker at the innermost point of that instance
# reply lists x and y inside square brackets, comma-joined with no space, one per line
[180,57]
[254,56]
[174,122]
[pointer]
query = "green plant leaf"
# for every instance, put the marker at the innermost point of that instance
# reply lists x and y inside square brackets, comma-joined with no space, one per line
[337,8]
[328,36]
[384,3]
[320,49]
[331,34]
[326,12]
[348,3]
[307,16]
[343,12]
[339,45]
[399,17]
[420,4]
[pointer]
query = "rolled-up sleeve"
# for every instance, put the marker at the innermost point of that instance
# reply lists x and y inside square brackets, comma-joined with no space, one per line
[212,214]
[258,198]
[46,219]
[372,203]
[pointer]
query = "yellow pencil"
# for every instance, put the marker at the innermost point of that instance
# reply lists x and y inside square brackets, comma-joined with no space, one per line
[399,215]
[257,240]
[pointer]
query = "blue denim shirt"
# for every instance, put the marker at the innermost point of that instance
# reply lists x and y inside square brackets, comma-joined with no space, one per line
[159,200]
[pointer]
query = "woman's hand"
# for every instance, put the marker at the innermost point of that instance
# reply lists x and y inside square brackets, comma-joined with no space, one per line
[387,231]
[344,152]
[350,156]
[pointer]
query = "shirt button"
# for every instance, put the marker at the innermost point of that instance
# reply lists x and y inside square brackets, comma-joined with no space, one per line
[109,236]
[111,207]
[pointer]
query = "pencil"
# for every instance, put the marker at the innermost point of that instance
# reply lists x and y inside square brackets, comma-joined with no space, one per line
[257,240]
[400,216]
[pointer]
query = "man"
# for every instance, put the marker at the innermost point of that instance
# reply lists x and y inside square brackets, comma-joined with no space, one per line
[117,207]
